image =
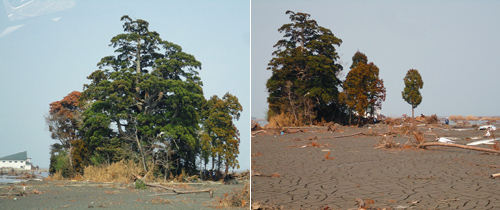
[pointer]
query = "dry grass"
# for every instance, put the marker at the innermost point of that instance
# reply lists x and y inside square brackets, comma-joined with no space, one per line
[490,119]
[456,118]
[239,199]
[55,176]
[433,119]
[115,172]
[471,118]
[281,120]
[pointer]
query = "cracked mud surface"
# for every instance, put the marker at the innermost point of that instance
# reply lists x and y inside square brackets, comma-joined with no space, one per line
[436,178]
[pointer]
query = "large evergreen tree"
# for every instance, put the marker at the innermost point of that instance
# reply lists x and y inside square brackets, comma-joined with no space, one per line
[146,101]
[304,82]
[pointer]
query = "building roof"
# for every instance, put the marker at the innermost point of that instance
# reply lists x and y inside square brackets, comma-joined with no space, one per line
[17,156]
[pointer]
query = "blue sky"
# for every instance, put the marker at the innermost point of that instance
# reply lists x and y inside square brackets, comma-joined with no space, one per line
[45,57]
[454,45]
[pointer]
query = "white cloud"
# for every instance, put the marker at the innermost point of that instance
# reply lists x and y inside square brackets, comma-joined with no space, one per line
[56,19]
[10,30]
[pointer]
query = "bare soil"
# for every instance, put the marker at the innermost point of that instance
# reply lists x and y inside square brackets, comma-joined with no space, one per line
[84,195]
[305,176]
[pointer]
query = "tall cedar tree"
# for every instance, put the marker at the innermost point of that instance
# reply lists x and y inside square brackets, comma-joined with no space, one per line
[146,102]
[64,120]
[304,68]
[221,140]
[363,89]
[411,93]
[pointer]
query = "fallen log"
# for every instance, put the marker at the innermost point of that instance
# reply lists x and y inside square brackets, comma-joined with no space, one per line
[354,134]
[210,191]
[426,144]
[259,131]
[20,193]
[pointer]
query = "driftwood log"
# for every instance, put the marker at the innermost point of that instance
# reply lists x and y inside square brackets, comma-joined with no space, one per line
[210,191]
[349,135]
[175,192]
[427,144]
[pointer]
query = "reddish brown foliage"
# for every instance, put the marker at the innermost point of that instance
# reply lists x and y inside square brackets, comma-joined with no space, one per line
[66,106]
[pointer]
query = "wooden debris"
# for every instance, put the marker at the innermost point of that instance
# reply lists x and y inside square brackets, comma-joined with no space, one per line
[495,175]
[426,144]
[258,132]
[182,192]
[210,190]
[349,135]
[360,203]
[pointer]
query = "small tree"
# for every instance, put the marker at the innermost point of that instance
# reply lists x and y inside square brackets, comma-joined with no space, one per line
[411,94]
[363,90]
[64,120]
[221,139]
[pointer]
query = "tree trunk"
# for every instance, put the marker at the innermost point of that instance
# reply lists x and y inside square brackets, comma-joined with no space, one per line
[412,109]
[143,159]
[70,154]
[227,169]
[350,115]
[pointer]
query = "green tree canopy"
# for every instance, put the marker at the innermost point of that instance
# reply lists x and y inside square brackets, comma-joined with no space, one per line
[304,80]
[411,93]
[222,141]
[146,100]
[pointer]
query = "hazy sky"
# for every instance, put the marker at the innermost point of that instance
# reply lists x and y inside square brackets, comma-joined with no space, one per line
[455,45]
[48,53]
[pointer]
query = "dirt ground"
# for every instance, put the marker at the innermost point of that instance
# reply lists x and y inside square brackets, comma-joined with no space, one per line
[296,175]
[84,195]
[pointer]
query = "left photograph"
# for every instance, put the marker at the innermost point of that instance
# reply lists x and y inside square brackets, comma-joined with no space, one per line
[125,104]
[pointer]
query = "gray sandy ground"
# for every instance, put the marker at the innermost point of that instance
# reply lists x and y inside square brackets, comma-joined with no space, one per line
[436,178]
[84,195]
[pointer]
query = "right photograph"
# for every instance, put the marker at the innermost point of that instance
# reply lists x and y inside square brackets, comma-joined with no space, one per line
[374,105]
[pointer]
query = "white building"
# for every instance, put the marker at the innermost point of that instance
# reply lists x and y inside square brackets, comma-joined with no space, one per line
[16,161]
